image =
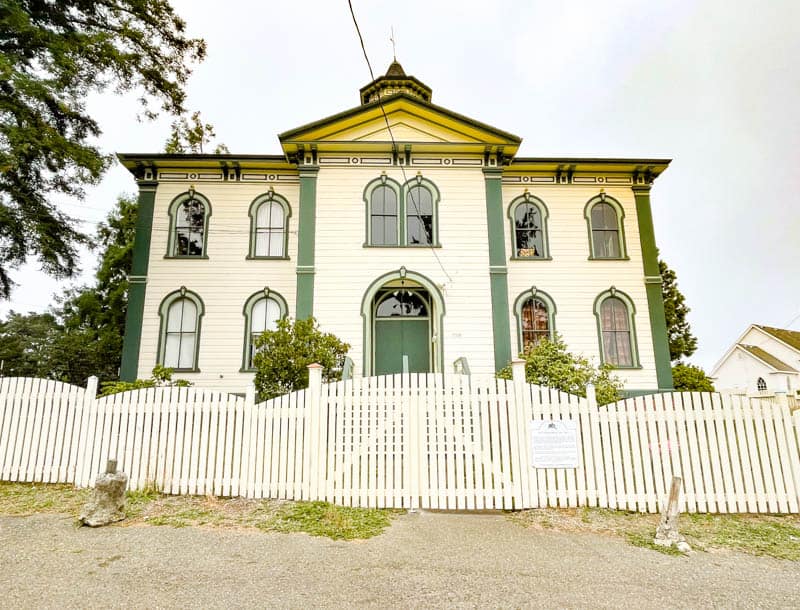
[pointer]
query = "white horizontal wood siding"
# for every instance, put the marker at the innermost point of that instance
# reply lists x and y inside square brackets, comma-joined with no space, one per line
[223,281]
[574,281]
[345,268]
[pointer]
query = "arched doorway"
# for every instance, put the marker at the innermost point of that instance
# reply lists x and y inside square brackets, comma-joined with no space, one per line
[402,330]
[403,314]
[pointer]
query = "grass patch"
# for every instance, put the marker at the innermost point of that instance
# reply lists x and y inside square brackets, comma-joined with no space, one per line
[336,522]
[149,507]
[770,535]
[24,499]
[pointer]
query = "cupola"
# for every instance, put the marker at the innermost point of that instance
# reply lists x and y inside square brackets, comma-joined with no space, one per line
[395,81]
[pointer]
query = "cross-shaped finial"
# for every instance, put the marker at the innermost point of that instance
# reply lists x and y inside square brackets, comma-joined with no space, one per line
[394,50]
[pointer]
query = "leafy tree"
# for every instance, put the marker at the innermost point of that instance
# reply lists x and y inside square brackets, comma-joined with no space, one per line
[690,378]
[53,55]
[26,344]
[548,363]
[93,316]
[681,340]
[190,135]
[284,354]
[161,377]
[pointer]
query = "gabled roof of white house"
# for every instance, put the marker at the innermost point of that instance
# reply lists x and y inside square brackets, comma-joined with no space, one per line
[767,358]
[790,338]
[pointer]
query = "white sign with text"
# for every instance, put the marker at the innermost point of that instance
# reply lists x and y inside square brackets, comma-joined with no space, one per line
[554,444]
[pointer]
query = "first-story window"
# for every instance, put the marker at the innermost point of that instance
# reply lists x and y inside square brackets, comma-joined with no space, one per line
[180,314]
[262,312]
[535,323]
[614,311]
[535,313]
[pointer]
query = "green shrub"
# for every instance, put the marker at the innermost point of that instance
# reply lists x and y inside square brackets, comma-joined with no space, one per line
[690,378]
[283,355]
[161,378]
[548,363]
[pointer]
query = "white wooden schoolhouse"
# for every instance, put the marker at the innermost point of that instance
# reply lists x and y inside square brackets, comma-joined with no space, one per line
[419,243]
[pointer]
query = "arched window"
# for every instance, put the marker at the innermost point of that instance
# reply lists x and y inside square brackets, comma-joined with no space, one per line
[261,312]
[535,313]
[382,197]
[528,217]
[180,314]
[604,216]
[420,216]
[269,226]
[189,214]
[615,311]
[404,216]
[761,384]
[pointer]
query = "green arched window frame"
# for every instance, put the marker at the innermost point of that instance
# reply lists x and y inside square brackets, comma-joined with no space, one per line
[247,312]
[613,293]
[269,198]
[595,232]
[371,189]
[174,208]
[411,207]
[529,200]
[533,293]
[173,298]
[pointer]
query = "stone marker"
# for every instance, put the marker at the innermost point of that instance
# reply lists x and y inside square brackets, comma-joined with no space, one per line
[667,531]
[107,502]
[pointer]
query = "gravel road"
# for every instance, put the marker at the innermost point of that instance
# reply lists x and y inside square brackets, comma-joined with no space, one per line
[423,560]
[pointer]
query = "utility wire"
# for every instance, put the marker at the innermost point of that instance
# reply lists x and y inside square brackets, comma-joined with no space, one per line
[394,143]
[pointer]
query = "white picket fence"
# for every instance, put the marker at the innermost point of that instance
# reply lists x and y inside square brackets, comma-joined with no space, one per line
[408,441]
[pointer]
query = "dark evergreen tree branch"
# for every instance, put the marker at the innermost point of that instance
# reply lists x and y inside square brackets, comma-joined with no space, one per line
[52,56]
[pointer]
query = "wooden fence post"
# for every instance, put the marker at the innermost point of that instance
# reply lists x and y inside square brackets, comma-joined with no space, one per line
[591,396]
[315,416]
[520,460]
[86,438]
[246,485]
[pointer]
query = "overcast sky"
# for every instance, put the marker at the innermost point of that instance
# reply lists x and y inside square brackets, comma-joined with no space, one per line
[712,84]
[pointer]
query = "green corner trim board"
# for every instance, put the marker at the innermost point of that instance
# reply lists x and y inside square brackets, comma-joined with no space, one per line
[136,292]
[498,280]
[306,235]
[655,302]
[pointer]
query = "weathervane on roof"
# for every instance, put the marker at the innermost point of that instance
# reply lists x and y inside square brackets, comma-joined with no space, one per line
[394,50]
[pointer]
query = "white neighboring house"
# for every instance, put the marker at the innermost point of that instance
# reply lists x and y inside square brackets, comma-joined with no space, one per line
[763,361]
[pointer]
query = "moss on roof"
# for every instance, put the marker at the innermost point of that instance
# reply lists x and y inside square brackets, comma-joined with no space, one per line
[771,360]
[790,337]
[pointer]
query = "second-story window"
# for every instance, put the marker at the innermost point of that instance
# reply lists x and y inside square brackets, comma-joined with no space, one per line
[269,226]
[401,216]
[528,216]
[419,215]
[189,215]
[606,236]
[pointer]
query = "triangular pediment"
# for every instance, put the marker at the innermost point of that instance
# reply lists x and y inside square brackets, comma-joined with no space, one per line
[411,120]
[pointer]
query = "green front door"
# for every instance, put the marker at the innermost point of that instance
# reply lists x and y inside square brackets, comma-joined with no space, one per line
[402,337]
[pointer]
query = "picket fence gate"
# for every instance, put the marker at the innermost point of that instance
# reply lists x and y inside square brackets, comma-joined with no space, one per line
[408,441]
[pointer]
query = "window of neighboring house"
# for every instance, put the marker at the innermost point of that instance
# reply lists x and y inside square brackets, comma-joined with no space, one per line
[535,313]
[269,217]
[262,312]
[401,216]
[761,384]
[189,215]
[605,218]
[528,227]
[180,313]
[614,312]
